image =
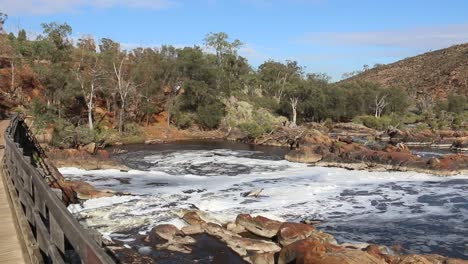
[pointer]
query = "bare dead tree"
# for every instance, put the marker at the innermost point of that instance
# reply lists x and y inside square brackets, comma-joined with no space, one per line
[380,104]
[124,87]
[294,101]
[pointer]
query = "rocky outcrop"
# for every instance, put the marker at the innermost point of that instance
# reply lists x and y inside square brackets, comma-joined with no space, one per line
[269,241]
[316,147]
[251,250]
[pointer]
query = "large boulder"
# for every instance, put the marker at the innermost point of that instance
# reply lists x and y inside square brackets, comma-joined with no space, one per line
[259,225]
[292,232]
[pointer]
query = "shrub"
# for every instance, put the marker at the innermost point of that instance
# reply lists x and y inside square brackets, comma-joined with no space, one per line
[252,129]
[183,120]
[66,135]
[210,115]
[379,123]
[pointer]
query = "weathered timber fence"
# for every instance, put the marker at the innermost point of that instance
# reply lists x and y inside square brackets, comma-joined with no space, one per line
[58,236]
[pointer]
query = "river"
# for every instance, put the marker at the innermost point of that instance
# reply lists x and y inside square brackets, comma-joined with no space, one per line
[421,213]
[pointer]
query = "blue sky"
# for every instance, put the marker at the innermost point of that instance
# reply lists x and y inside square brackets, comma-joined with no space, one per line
[331,36]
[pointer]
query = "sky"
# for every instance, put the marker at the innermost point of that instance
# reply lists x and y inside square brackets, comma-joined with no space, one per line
[326,36]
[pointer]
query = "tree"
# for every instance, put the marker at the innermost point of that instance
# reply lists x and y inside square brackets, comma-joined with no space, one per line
[224,49]
[380,102]
[88,72]
[125,87]
[3,18]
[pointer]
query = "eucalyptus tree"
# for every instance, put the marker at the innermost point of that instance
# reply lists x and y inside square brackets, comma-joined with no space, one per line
[225,51]
[88,72]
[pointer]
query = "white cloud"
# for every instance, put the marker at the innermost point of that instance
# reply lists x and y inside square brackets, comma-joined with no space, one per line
[41,7]
[421,38]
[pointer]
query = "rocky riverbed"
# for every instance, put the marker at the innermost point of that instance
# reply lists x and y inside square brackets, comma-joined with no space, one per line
[419,213]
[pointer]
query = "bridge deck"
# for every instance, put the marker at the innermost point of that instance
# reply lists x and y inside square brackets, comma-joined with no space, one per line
[10,247]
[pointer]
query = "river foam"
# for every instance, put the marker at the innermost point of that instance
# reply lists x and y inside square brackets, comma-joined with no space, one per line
[422,212]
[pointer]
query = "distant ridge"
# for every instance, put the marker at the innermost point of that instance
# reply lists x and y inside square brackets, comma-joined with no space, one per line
[436,73]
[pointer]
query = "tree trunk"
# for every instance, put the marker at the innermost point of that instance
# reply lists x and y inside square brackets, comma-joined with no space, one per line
[90,118]
[12,75]
[294,101]
[294,117]
[122,118]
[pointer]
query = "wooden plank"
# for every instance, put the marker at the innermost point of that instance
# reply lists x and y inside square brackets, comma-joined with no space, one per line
[10,247]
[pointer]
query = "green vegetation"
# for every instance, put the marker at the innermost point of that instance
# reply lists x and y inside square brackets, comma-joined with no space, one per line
[209,90]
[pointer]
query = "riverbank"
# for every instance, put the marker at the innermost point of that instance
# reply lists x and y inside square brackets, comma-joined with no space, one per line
[344,145]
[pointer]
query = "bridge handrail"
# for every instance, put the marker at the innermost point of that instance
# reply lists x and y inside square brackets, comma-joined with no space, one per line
[59,236]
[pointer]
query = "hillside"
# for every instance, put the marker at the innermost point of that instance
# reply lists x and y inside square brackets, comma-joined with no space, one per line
[437,73]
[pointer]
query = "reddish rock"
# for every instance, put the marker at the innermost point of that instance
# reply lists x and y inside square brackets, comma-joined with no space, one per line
[299,248]
[259,225]
[424,259]
[339,257]
[292,232]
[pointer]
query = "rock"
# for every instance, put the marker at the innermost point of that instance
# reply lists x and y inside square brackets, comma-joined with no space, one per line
[262,258]
[254,193]
[292,232]
[192,229]
[324,237]
[298,249]
[252,245]
[176,241]
[339,257]
[192,218]
[411,259]
[167,232]
[233,227]
[259,225]
[239,244]
[175,248]
[376,251]
[153,141]
[90,148]
[80,189]
[303,156]
[359,246]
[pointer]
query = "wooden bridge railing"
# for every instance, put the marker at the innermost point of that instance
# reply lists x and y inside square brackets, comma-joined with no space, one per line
[56,233]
